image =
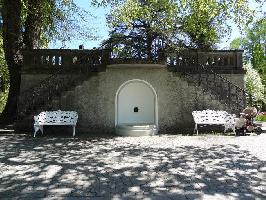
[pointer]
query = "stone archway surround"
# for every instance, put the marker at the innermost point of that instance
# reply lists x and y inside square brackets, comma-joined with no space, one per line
[146,90]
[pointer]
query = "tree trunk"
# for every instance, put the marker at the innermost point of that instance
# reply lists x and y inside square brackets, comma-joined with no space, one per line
[12,46]
[149,46]
[33,25]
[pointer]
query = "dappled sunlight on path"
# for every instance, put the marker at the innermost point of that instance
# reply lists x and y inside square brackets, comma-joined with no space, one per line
[166,167]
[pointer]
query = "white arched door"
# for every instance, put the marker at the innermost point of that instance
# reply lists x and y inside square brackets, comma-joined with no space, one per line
[136,103]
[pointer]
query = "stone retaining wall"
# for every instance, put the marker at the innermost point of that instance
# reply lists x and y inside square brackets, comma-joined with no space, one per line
[94,100]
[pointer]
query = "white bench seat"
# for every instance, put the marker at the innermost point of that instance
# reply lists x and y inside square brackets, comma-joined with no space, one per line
[68,118]
[214,117]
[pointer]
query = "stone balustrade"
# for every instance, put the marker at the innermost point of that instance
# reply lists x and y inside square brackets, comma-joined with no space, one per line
[49,59]
[224,61]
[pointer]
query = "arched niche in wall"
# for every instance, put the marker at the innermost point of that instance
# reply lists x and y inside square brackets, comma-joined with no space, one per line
[136,103]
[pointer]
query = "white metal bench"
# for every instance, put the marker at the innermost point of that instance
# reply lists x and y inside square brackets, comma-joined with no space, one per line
[55,118]
[214,117]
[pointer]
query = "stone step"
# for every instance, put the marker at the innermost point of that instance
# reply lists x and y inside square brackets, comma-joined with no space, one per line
[207,91]
[55,104]
[205,96]
[63,102]
[7,129]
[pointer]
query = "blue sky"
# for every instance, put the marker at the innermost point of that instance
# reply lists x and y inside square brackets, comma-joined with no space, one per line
[101,29]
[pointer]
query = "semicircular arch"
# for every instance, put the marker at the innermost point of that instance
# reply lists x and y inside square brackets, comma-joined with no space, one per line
[134,95]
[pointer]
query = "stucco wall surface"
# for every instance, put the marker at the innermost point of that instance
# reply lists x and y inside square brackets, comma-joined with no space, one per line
[94,100]
[32,80]
[237,79]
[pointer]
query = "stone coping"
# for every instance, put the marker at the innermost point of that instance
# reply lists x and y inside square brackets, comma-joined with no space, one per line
[147,66]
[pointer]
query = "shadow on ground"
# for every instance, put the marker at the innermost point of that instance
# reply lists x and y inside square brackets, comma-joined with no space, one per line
[113,168]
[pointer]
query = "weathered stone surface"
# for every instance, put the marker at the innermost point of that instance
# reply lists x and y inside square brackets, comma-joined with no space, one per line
[94,99]
[237,79]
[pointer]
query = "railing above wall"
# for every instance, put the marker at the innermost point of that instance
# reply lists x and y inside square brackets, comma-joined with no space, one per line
[221,61]
[55,59]
[204,69]
[203,65]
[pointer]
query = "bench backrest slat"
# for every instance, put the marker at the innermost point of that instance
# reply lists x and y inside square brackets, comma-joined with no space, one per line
[212,117]
[56,117]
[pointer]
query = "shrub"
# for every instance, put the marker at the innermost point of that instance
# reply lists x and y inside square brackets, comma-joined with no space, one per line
[261,117]
[253,84]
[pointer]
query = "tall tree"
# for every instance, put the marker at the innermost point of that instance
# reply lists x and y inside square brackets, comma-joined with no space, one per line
[187,23]
[205,22]
[12,43]
[139,26]
[254,45]
[31,24]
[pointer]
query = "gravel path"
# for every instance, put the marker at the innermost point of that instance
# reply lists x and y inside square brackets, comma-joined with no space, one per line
[157,167]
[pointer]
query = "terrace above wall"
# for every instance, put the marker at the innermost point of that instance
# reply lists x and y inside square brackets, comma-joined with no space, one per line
[67,60]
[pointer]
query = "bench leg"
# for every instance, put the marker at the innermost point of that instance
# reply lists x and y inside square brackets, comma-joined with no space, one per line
[41,128]
[36,128]
[74,131]
[234,129]
[196,129]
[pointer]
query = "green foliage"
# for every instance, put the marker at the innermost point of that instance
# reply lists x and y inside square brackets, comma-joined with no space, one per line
[105,3]
[199,22]
[185,23]
[254,44]
[158,16]
[3,67]
[137,26]
[254,85]
[4,77]
[69,22]
[261,117]
[3,100]
[205,21]
[40,23]
[236,43]
[60,21]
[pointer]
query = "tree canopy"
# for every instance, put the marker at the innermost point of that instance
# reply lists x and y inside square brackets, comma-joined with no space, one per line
[138,26]
[254,44]
[31,24]
[185,23]
[57,20]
